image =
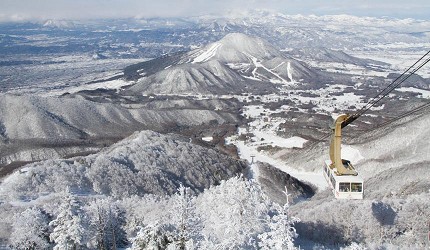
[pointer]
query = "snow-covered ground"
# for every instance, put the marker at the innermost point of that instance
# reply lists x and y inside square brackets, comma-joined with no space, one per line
[113,84]
[423,93]
[54,75]
[264,134]
[263,129]
[248,152]
[346,68]
[398,55]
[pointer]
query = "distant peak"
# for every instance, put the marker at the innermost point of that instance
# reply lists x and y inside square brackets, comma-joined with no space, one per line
[236,35]
[236,47]
[58,23]
[237,39]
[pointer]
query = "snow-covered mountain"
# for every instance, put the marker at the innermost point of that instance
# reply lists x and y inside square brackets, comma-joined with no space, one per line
[330,31]
[144,163]
[205,78]
[30,47]
[237,63]
[236,48]
[393,165]
[60,24]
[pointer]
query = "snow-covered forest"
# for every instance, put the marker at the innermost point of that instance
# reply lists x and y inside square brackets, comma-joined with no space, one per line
[233,215]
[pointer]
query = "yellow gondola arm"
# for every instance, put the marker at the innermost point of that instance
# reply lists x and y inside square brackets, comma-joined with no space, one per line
[342,167]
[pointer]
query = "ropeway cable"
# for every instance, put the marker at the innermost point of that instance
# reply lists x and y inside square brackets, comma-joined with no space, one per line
[399,80]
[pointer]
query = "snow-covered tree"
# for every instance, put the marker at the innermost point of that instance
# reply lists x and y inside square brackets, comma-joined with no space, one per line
[69,228]
[107,219]
[181,229]
[147,210]
[234,213]
[111,177]
[185,220]
[30,230]
[354,246]
[281,233]
[152,237]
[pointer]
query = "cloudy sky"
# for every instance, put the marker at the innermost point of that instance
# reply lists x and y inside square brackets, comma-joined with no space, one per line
[90,9]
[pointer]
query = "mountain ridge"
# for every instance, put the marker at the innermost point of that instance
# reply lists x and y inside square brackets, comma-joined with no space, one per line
[34,125]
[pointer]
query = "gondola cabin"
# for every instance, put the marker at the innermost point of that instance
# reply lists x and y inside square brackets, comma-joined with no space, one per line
[339,173]
[343,186]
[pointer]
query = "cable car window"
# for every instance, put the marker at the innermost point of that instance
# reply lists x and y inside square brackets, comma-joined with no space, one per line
[344,187]
[356,187]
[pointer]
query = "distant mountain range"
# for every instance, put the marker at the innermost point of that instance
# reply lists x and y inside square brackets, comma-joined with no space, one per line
[154,37]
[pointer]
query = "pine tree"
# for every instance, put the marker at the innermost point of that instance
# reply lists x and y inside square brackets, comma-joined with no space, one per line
[30,230]
[69,230]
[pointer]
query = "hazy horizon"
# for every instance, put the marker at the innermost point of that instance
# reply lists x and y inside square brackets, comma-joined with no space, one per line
[30,10]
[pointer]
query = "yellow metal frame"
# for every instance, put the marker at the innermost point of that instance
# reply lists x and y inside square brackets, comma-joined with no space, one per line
[343,167]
